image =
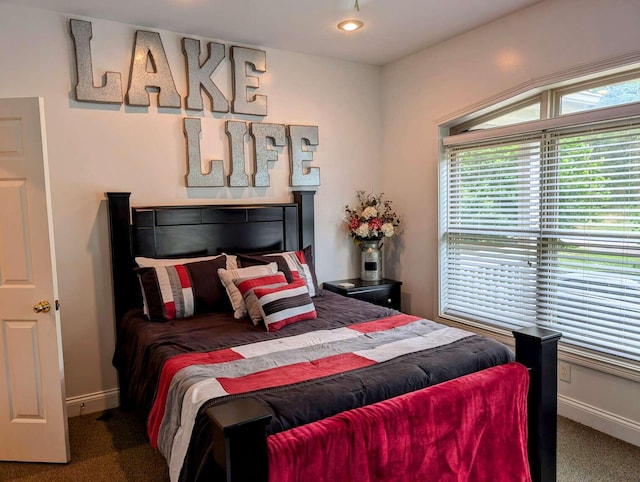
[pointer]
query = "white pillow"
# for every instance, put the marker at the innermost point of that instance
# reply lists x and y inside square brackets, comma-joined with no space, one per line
[228,275]
[232,261]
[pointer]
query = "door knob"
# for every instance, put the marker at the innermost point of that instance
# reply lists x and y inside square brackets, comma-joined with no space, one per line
[42,307]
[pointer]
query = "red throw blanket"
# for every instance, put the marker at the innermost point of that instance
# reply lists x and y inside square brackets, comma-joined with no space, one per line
[472,428]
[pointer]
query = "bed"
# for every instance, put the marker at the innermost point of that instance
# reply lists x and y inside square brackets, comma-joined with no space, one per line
[255,430]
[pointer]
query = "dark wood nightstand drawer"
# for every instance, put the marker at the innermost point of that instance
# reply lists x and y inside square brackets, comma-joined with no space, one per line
[385,292]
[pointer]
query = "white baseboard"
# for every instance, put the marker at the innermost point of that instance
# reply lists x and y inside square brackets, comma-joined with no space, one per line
[93,402]
[594,417]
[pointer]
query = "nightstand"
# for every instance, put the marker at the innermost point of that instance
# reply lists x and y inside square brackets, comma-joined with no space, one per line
[385,292]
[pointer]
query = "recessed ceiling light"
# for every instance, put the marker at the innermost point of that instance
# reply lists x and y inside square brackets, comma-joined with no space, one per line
[350,25]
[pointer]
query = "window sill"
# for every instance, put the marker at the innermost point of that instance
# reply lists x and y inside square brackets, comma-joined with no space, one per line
[618,367]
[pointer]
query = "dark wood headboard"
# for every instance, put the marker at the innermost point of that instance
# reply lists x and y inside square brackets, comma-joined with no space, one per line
[186,230]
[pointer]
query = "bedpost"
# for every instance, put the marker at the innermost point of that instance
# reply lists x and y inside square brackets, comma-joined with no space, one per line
[537,349]
[240,440]
[124,287]
[304,200]
[124,282]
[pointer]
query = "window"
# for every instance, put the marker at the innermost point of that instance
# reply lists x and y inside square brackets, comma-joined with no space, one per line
[541,225]
[518,113]
[596,95]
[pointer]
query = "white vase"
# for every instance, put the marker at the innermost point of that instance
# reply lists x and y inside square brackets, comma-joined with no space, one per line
[370,260]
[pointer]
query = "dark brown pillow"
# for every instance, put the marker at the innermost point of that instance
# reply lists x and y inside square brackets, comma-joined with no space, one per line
[254,259]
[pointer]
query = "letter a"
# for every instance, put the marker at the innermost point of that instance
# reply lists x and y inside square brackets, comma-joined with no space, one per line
[150,68]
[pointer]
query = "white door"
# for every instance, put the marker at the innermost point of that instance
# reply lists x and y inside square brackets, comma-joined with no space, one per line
[33,414]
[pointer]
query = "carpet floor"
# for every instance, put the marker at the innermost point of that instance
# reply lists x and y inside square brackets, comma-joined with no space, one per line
[112,447]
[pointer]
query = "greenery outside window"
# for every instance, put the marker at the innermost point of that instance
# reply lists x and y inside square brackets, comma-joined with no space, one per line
[540,224]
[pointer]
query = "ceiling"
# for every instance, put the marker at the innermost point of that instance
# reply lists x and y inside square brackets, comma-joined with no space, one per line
[393,28]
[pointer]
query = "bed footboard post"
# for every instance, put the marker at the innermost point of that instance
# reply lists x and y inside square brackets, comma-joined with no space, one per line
[240,440]
[537,349]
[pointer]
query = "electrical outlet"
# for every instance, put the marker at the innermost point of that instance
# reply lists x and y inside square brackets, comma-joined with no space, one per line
[564,370]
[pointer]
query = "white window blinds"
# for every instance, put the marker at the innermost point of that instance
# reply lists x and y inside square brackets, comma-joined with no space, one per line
[546,229]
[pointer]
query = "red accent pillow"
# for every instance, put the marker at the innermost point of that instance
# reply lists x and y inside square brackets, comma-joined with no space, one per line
[284,305]
[247,286]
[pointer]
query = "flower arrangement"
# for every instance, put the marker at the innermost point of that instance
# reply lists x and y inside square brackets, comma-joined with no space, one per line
[372,218]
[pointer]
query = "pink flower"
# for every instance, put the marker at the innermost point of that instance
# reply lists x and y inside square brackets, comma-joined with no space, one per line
[375,224]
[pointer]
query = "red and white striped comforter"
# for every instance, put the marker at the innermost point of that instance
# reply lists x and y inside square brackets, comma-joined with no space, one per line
[188,381]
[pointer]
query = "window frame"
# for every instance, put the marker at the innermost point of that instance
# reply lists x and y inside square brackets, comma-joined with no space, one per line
[469,124]
[557,94]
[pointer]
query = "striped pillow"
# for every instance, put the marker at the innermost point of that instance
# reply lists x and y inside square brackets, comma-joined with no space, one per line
[246,286]
[208,293]
[235,297]
[168,292]
[294,265]
[176,291]
[285,305]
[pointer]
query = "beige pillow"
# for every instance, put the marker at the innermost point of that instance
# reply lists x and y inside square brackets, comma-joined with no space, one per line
[143,262]
[235,297]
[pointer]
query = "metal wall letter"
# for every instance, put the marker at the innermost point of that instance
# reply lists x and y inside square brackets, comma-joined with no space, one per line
[243,103]
[195,177]
[199,75]
[299,136]
[263,152]
[236,131]
[111,90]
[149,54]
